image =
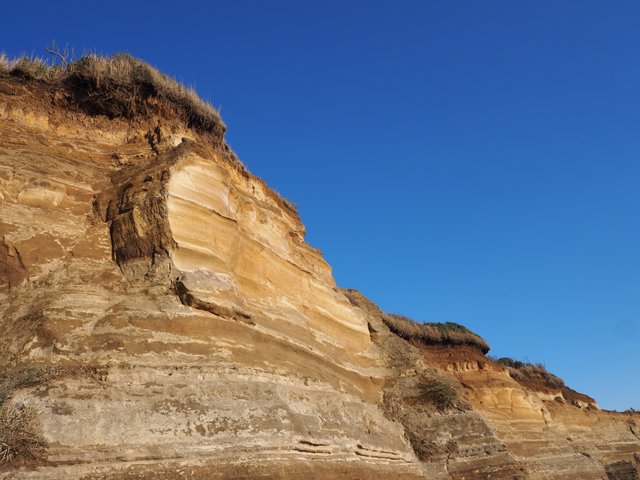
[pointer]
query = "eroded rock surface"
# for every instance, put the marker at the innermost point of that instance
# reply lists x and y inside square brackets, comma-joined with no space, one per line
[206,339]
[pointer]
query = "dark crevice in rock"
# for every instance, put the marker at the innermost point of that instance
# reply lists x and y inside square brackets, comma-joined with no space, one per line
[189,299]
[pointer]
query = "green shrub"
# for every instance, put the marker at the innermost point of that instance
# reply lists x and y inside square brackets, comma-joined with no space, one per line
[438,391]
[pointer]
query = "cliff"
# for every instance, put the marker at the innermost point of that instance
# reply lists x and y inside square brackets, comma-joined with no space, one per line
[163,317]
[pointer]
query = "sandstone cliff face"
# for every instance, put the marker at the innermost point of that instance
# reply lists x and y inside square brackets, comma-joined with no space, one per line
[190,331]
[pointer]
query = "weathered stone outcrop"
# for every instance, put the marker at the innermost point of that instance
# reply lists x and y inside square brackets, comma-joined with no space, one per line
[196,334]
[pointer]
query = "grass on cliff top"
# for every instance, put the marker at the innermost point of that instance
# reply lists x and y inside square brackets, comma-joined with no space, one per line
[117,86]
[536,377]
[525,372]
[122,86]
[448,333]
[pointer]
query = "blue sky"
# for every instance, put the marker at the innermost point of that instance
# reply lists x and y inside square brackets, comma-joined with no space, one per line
[474,162]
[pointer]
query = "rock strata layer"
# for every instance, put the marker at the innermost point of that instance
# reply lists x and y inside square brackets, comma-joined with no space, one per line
[190,332]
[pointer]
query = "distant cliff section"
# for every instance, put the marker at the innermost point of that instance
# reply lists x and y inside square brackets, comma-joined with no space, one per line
[162,317]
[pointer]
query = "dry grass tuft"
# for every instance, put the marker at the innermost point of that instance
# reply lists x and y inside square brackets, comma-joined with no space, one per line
[448,333]
[19,432]
[19,429]
[23,377]
[5,64]
[118,86]
[287,203]
[34,68]
[19,435]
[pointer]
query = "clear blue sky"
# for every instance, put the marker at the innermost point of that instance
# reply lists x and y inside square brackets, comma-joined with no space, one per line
[474,162]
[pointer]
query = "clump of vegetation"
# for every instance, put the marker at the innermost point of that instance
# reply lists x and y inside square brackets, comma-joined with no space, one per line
[509,362]
[5,63]
[117,86]
[448,333]
[535,376]
[288,203]
[23,377]
[424,448]
[19,435]
[438,391]
[531,373]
